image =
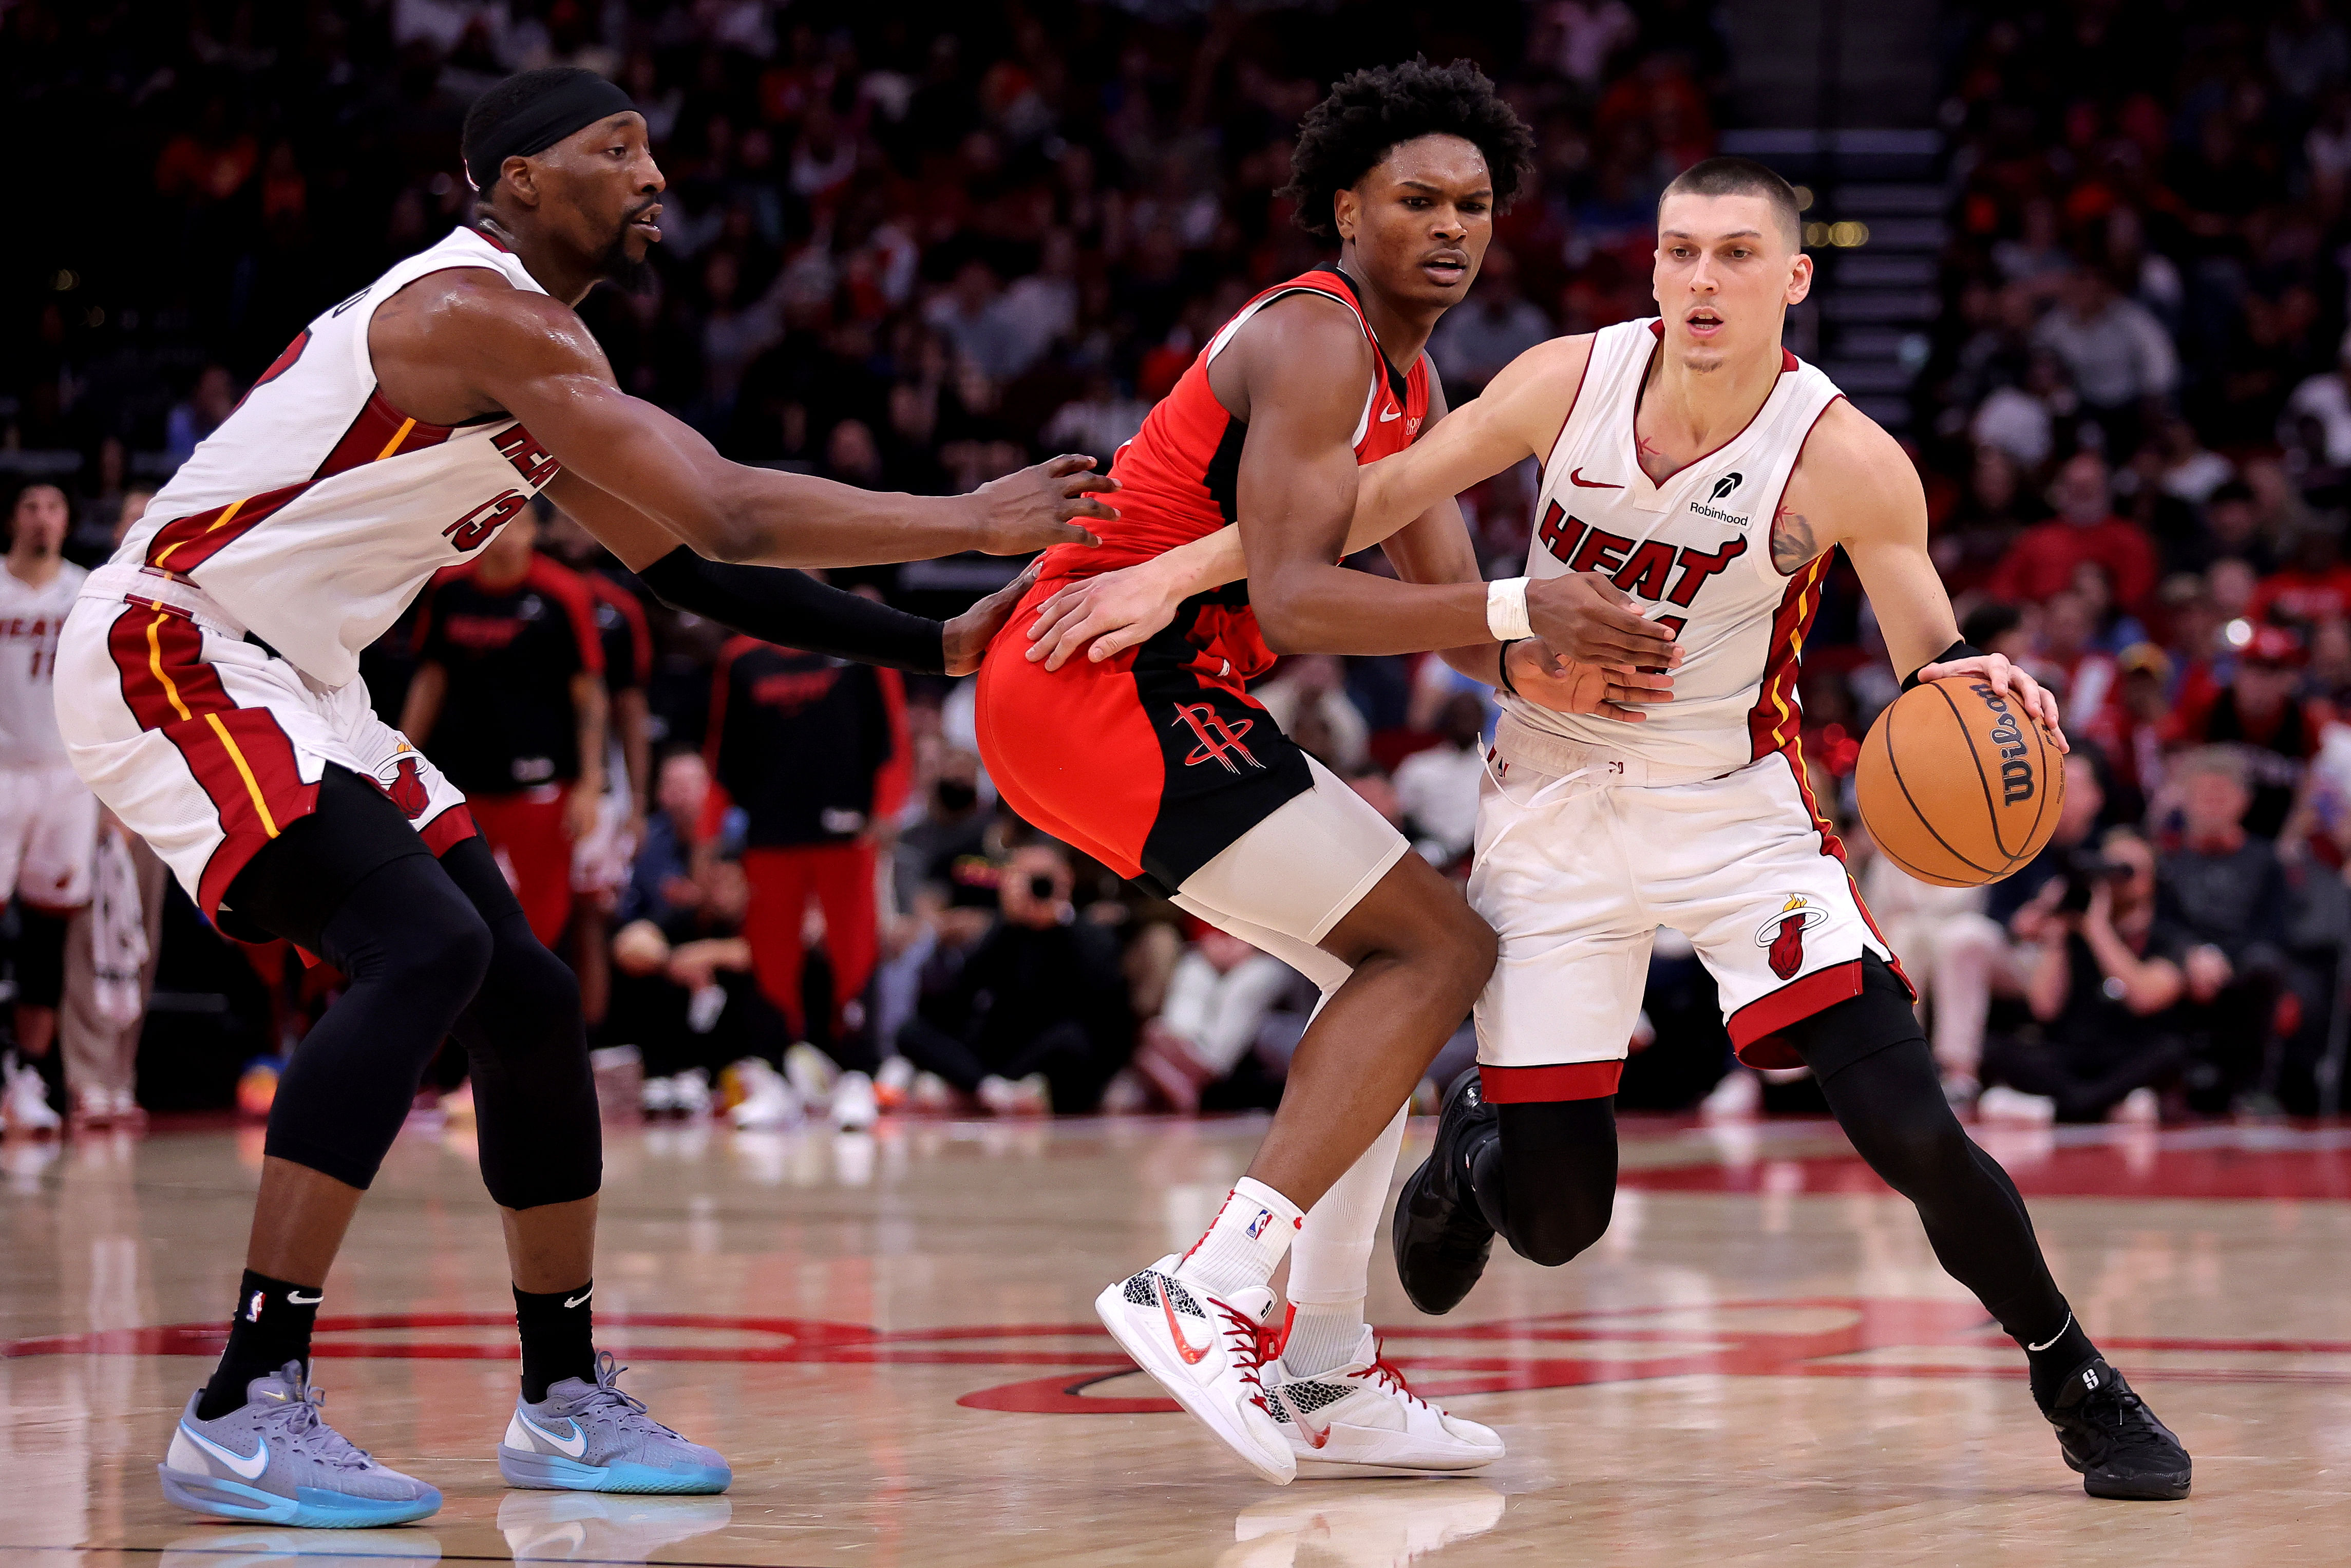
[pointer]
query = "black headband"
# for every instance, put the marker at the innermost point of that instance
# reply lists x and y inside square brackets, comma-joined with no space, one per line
[570,102]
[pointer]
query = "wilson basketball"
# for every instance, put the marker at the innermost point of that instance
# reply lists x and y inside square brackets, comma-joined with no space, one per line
[1958,785]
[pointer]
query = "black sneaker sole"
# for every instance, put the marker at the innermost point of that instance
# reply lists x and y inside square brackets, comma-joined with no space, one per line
[2147,1489]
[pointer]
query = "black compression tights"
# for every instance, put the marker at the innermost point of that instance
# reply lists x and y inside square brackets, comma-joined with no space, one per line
[1546,1183]
[429,948]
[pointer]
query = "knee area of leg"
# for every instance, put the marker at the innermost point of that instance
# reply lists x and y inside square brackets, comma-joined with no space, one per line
[536,984]
[449,953]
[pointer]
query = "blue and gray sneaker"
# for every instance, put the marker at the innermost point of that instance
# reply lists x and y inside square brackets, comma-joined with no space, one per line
[591,1437]
[273,1459]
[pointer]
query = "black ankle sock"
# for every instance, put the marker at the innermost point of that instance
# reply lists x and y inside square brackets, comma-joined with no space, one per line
[2055,1359]
[558,1338]
[270,1327]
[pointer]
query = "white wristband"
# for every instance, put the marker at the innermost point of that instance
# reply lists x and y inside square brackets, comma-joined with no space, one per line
[1506,610]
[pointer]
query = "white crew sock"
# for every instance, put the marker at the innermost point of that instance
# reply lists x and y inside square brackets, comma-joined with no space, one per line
[1331,1262]
[1245,1244]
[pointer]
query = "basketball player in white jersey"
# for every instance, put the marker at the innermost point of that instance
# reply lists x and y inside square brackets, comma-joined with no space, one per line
[208,691]
[48,817]
[1706,473]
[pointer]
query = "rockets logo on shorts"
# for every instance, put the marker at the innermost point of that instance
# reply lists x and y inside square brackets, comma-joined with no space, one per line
[1219,741]
[1783,933]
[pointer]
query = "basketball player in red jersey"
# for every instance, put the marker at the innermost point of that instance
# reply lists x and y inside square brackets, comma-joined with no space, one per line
[208,692]
[1159,764]
[1711,473]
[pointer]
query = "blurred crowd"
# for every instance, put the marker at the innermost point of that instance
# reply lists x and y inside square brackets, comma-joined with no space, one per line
[917,247]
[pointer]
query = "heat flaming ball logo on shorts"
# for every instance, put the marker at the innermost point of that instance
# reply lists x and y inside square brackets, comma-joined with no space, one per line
[400,783]
[1783,933]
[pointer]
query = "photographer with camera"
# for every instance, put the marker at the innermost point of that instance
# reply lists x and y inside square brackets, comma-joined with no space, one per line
[2105,987]
[1037,1019]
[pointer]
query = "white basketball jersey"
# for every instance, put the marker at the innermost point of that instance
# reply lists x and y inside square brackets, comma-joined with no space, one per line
[29,619]
[317,509]
[1694,551]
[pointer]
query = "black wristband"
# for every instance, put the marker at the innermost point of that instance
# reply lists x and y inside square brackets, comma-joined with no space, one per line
[1961,649]
[778,605]
[1509,685]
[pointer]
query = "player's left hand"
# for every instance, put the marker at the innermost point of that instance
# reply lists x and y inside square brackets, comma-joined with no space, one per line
[1116,611]
[966,638]
[1572,685]
[1995,671]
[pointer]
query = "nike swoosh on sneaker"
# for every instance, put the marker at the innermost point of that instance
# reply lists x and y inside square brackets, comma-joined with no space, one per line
[249,1467]
[572,1446]
[1313,1438]
[1183,1346]
[1576,477]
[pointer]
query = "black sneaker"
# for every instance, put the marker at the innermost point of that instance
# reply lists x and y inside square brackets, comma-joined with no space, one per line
[2109,1435]
[1442,1241]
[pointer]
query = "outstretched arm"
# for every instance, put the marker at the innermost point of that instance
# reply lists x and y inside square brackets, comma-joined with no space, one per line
[463,343]
[1855,487]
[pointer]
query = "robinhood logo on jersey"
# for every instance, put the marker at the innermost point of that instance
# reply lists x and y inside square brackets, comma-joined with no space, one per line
[1722,487]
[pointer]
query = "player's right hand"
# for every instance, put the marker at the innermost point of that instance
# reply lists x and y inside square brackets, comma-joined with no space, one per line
[1031,509]
[1585,617]
[1572,685]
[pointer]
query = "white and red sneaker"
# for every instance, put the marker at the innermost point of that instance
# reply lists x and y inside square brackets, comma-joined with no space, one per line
[1361,1419]
[1207,1353]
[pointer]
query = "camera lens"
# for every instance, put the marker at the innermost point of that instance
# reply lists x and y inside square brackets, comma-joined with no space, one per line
[1043,887]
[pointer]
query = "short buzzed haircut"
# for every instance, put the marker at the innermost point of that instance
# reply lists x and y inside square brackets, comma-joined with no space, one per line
[1729,176]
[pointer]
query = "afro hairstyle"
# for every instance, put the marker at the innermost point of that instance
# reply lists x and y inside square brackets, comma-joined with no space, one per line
[1347,135]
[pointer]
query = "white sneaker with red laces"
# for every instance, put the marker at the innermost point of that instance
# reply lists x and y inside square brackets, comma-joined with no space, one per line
[1207,1353]
[1361,1419]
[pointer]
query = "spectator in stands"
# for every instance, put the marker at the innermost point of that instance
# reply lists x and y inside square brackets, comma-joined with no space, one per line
[1220,995]
[2224,887]
[814,750]
[2104,984]
[2323,399]
[2313,585]
[683,995]
[2044,559]
[199,413]
[1036,1018]
[1438,787]
[2116,354]
[508,700]
[2260,713]
[1308,692]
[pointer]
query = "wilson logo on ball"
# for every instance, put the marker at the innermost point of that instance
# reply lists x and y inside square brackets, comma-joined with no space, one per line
[2015,773]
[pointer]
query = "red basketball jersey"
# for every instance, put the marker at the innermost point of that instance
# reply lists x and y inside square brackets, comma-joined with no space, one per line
[1179,476]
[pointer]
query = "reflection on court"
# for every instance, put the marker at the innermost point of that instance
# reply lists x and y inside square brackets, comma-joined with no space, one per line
[890,1336]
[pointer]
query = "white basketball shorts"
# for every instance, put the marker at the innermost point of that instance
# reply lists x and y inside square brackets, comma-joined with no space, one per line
[207,745]
[49,833]
[1576,873]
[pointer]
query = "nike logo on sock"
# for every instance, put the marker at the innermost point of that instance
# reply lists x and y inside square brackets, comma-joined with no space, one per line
[582,1296]
[299,1300]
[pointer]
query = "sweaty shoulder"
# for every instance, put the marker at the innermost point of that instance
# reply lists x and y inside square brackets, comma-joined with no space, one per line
[1853,478]
[442,343]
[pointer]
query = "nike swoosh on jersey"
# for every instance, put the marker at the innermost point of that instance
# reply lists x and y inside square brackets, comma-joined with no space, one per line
[250,1467]
[1387,414]
[572,1446]
[1577,478]
[1183,1346]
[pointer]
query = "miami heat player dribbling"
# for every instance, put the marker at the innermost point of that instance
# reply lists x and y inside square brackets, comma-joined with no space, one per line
[1707,473]
[207,691]
[1159,765]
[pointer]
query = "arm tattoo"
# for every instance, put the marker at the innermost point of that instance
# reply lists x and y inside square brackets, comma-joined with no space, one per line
[1791,541]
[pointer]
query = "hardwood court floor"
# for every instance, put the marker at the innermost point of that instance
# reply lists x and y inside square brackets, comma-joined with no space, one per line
[891,1337]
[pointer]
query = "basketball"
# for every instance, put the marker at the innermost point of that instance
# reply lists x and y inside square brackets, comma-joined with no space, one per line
[1958,785]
